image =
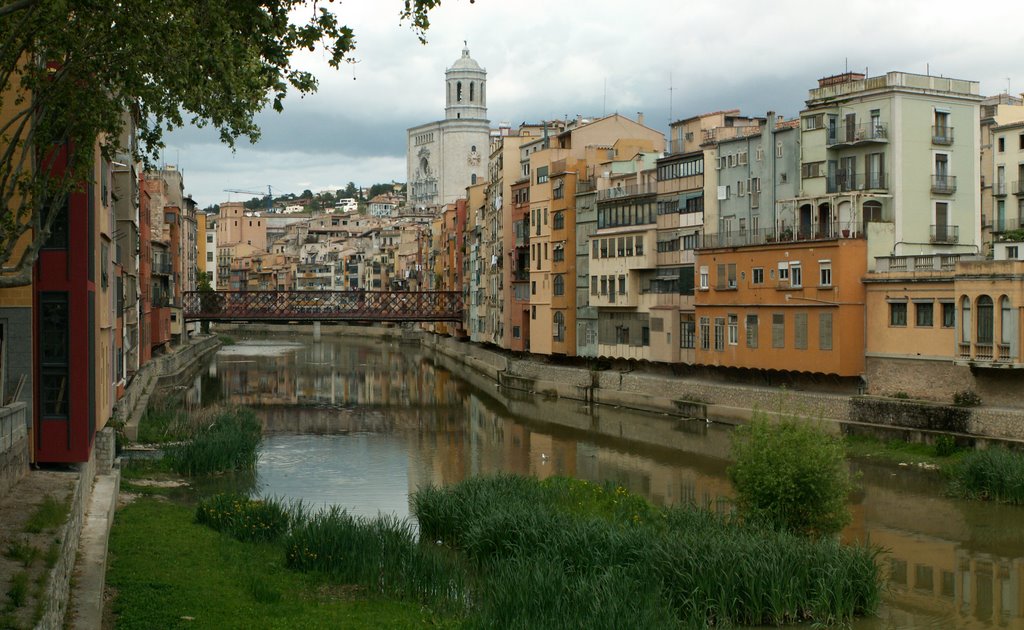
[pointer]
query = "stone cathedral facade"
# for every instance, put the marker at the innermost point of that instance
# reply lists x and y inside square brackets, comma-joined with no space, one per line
[445,156]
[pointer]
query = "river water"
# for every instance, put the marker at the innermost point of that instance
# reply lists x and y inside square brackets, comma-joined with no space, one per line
[362,423]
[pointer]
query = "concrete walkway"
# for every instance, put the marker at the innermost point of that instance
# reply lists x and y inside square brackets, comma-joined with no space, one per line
[86,610]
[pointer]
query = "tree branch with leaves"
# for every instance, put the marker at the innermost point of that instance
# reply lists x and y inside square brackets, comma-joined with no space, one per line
[70,71]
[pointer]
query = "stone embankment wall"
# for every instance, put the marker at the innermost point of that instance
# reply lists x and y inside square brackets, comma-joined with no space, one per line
[13,444]
[160,371]
[730,403]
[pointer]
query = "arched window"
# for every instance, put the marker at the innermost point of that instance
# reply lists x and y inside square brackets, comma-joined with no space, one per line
[965,319]
[472,91]
[458,91]
[1007,325]
[472,179]
[872,211]
[985,320]
[558,326]
[559,285]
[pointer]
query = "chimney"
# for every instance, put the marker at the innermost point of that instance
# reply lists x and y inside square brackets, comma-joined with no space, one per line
[640,118]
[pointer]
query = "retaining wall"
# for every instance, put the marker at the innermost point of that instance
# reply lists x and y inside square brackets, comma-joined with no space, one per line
[13,445]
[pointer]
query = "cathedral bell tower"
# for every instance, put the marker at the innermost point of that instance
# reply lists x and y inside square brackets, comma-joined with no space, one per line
[466,95]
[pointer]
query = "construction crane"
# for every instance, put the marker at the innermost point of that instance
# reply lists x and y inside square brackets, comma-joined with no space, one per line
[270,195]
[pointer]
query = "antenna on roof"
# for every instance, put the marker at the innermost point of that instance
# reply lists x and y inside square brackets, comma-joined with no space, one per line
[670,98]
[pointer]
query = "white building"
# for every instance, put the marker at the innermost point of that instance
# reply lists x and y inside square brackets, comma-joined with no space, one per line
[445,156]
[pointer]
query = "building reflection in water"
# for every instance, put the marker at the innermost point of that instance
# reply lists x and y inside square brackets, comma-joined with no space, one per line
[949,563]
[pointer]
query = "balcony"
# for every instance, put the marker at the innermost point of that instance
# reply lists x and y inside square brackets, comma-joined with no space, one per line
[1018,187]
[946,234]
[916,264]
[841,182]
[942,135]
[807,232]
[620,192]
[851,135]
[999,189]
[1005,224]
[991,354]
[943,184]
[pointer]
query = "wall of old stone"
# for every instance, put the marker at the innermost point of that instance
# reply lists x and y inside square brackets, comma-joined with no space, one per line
[937,380]
[13,445]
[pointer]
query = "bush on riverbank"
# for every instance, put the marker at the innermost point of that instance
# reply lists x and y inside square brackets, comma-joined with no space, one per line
[230,442]
[544,542]
[249,519]
[995,474]
[792,475]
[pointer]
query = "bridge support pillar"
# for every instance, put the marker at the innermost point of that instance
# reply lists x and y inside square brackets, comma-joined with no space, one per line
[316,331]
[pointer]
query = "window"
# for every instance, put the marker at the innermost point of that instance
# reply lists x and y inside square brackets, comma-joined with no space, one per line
[824,273]
[604,248]
[796,277]
[985,313]
[965,320]
[593,285]
[209,256]
[734,330]
[778,330]
[757,275]
[645,336]
[897,313]
[53,345]
[622,334]
[629,245]
[704,278]
[825,331]
[783,272]
[558,222]
[558,326]
[533,312]
[622,285]
[559,254]
[687,334]
[705,333]
[559,284]
[759,154]
[923,314]
[800,331]
[515,332]
[533,288]
[948,315]
[751,331]
[542,174]
[719,334]
[778,149]
[1008,325]
[812,169]
[209,238]
[1012,252]
[621,249]
[639,246]
[1001,145]
[594,245]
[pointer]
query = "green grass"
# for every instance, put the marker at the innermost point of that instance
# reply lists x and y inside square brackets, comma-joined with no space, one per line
[995,474]
[17,592]
[49,515]
[22,552]
[165,568]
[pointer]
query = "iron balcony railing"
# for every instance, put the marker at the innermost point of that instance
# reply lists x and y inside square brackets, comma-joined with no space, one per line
[949,234]
[999,189]
[807,232]
[842,182]
[862,132]
[1005,224]
[942,135]
[1018,187]
[943,184]
[626,191]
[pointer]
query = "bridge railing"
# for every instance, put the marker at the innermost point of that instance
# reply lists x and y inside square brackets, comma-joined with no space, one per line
[323,305]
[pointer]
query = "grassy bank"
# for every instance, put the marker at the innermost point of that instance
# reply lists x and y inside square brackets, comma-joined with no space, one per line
[931,456]
[994,474]
[515,552]
[169,572]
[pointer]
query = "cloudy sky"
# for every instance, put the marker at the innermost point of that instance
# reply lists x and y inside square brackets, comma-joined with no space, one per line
[549,59]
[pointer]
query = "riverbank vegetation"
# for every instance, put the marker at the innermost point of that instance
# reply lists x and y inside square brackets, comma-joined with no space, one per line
[210,440]
[994,474]
[512,551]
[791,475]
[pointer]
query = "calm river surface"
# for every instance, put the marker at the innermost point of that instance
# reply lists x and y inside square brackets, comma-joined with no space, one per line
[363,423]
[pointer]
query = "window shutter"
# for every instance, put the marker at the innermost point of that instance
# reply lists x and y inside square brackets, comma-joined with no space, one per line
[825,331]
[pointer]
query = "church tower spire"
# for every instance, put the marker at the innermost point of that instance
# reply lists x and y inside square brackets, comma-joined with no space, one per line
[466,91]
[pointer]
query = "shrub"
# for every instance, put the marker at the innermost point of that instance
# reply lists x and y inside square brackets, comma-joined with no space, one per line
[790,475]
[945,446]
[966,398]
[994,474]
[248,519]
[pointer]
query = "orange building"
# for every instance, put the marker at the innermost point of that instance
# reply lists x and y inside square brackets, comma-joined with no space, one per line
[792,306]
